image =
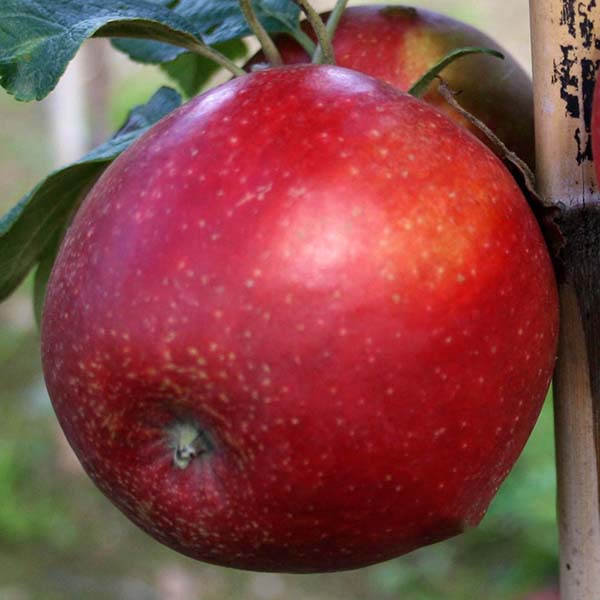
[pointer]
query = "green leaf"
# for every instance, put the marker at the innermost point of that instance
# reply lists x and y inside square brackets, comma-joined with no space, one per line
[217,21]
[29,231]
[38,38]
[223,20]
[191,72]
[164,101]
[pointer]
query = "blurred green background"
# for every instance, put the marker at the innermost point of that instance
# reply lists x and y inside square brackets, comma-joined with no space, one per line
[61,539]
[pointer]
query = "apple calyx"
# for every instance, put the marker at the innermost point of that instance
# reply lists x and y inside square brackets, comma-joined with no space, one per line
[187,441]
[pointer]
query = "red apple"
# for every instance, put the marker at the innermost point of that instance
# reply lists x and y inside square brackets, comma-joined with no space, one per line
[306,323]
[399,44]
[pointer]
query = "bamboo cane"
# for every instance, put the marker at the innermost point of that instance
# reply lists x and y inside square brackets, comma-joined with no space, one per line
[564,35]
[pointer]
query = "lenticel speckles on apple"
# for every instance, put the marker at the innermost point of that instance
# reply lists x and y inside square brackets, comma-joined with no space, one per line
[397,44]
[306,323]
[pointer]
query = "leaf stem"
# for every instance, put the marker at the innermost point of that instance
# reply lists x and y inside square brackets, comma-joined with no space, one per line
[419,88]
[269,48]
[316,22]
[304,40]
[190,42]
[332,24]
[212,54]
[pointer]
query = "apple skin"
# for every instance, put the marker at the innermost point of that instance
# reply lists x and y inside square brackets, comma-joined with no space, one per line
[398,45]
[341,289]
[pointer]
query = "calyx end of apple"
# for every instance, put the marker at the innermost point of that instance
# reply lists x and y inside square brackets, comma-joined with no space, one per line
[188,441]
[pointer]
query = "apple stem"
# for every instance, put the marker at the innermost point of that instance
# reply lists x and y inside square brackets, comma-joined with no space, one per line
[566,179]
[420,87]
[268,46]
[187,441]
[326,54]
[332,23]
